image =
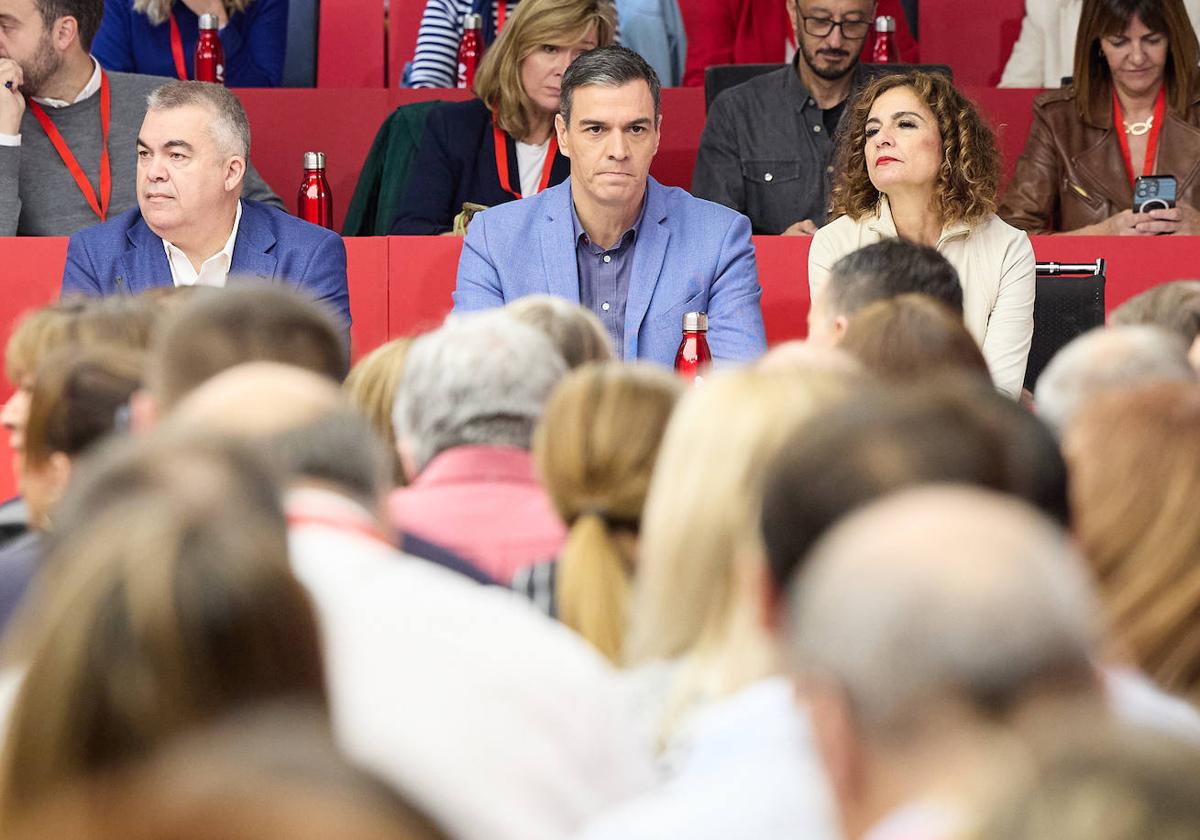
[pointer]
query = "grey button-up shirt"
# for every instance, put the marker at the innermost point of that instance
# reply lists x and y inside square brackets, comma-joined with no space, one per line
[604,276]
[766,152]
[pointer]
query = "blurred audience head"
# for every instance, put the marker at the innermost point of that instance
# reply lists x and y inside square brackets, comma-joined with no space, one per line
[575,330]
[881,271]
[1175,307]
[698,586]
[165,600]
[878,442]
[1120,786]
[595,451]
[269,771]
[255,400]
[479,380]
[371,388]
[801,356]
[212,331]
[930,631]
[1108,359]
[518,77]
[1134,480]
[78,398]
[337,450]
[910,338]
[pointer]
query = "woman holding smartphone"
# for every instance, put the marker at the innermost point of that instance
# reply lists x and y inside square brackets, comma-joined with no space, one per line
[1132,111]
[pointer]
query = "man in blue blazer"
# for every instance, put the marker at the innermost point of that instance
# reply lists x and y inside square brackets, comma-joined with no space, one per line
[190,226]
[613,239]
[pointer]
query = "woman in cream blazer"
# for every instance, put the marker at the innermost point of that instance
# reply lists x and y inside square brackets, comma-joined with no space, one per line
[917,161]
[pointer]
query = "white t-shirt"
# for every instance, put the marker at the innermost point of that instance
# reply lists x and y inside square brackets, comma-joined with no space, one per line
[530,160]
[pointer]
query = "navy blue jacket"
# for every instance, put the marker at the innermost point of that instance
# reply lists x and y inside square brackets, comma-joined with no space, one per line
[254,42]
[455,163]
[123,256]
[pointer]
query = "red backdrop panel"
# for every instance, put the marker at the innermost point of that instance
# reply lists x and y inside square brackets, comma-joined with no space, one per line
[421,271]
[367,271]
[404,22]
[350,44]
[972,37]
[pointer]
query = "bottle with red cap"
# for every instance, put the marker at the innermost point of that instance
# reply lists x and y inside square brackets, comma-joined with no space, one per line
[315,203]
[210,56]
[469,50]
[693,358]
[884,51]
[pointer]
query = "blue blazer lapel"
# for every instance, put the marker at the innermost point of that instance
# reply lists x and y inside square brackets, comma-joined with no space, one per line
[557,233]
[143,265]
[253,250]
[648,256]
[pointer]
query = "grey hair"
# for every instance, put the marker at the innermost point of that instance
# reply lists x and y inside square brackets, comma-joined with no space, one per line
[230,127]
[340,449]
[1107,360]
[480,379]
[611,66]
[939,593]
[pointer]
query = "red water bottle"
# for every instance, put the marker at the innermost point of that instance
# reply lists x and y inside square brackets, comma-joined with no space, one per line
[315,203]
[693,359]
[884,51]
[469,49]
[210,57]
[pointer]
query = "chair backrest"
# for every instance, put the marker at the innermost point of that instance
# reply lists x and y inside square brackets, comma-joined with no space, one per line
[1065,307]
[300,57]
[719,77]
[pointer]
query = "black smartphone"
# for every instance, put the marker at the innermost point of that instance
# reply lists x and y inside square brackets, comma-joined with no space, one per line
[1153,192]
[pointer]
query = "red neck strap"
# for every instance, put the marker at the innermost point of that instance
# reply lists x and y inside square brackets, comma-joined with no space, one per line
[340,523]
[177,51]
[100,207]
[501,143]
[501,14]
[1160,111]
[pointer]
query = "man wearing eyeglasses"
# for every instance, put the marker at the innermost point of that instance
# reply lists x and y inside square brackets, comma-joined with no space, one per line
[767,146]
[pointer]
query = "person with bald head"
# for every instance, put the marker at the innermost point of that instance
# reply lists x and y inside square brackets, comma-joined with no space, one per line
[935,637]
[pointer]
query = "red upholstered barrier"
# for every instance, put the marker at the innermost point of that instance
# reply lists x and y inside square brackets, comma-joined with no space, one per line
[402,285]
[973,37]
[404,22]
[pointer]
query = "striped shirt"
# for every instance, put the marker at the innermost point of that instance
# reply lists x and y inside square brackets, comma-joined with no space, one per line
[435,64]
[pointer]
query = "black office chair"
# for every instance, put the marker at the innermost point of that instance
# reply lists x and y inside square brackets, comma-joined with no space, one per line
[1069,302]
[718,77]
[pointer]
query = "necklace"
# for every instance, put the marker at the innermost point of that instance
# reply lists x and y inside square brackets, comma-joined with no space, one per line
[1137,129]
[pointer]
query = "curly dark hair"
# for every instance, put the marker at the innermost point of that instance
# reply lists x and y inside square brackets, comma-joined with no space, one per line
[969,176]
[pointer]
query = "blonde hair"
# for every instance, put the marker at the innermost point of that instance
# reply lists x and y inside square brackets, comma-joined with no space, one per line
[36,334]
[534,23]
[1132,498]
[371,388]
[595,449]
[159,10]
[702,517]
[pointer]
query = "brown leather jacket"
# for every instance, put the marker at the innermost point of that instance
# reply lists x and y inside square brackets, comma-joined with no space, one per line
[1071,173]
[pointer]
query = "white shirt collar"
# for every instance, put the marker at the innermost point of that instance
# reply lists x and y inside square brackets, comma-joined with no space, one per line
[89,89]
[214,271]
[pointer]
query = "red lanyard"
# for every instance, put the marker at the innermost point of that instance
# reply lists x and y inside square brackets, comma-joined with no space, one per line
[1160,110]
[502,160]
[100,208]
[177,51]
[340,523]
[501,14]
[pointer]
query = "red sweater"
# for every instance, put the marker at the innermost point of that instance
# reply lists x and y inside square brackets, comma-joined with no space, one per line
[755,32]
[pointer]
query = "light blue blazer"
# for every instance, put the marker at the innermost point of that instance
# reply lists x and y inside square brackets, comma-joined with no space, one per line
[690,256]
